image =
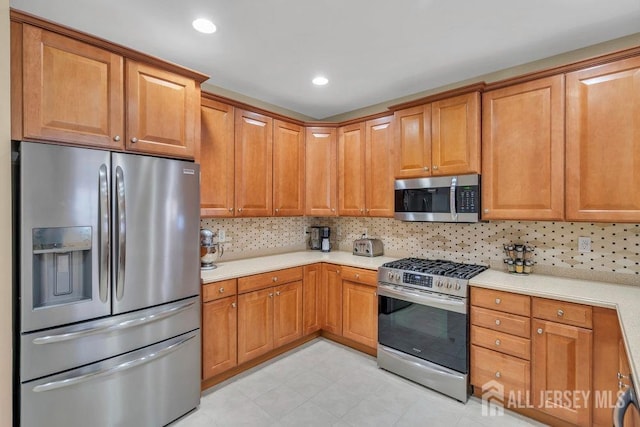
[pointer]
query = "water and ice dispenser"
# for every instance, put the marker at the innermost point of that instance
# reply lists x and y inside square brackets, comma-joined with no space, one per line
[61,265]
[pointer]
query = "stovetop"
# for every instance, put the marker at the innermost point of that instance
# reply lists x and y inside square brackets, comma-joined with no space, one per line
[441,276]
[437,267]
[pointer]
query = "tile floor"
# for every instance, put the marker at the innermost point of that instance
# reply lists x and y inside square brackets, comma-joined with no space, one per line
[326,384]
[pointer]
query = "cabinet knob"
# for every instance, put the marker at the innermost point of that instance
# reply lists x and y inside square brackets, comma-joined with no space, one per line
[622,385]
[357,276]
[230,209]
[497,342]
[361,210]
[277,293]
[560,313]
[540,331]
[233,304]
[435,168]
[368,210]
[333,209]
[275,278]
[337,271]
[498,300]
[271,295]
[498,374]
[277,210]
[116,138]
[134,140]
[221,290]
[426,168]
[498,322]
[621,376]
[486,211]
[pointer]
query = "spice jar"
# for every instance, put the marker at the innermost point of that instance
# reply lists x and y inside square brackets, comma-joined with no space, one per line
[511,252]
[528,252]
[511,268]
[528,266]
[519,251]
[519,266]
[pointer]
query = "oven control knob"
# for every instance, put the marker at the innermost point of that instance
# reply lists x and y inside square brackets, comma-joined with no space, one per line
[439,283]
[457,286]
[397,277]
[449,285]
[390,275]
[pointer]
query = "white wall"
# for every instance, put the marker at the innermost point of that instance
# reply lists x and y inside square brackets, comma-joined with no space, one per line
[5,221]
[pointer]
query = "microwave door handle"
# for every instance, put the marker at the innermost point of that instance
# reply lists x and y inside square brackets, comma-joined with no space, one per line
[121,227]
[103,245]
[452,198]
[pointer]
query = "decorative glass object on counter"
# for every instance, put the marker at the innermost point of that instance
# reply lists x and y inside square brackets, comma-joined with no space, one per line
[519,258]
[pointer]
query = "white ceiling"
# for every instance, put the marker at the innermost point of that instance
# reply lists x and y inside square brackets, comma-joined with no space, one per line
[371,50]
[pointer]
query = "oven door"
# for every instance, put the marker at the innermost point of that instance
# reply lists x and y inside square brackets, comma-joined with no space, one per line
[424,325]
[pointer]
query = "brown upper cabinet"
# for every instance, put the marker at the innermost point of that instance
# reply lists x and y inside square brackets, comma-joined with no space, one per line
[523,151]
[603,124]
[288,169]
[365,168]
[74,92]
[253,164]
[320,172]
[440,138]
[216,159]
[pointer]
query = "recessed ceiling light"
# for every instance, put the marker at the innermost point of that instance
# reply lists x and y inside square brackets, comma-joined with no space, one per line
[320,81]
[204,26]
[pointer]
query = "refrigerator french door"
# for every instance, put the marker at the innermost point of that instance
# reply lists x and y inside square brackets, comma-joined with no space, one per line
[108,280]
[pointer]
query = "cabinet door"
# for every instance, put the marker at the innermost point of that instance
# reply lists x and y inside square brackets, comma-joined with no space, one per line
[603,147]
[311,298]
[413,142]
[216,159]
[523,151]
[219,336]
[254,156]
[606,338]
[561,367]
[331,299]
[255,324]
[287,313]
[162,111]
[288,169]
[360,313]
[351,166]
[455,135]
[72,92]
[379,195]
[320,172]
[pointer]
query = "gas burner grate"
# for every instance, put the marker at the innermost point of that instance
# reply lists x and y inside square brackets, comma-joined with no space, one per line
[437,267]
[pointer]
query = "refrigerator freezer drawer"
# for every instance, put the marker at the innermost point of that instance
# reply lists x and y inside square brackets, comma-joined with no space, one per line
[148,387]
[55,350]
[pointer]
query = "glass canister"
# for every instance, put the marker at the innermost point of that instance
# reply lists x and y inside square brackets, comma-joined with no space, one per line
[519,266]
[528,266]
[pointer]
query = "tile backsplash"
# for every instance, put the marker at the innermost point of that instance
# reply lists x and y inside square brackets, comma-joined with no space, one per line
[614,256]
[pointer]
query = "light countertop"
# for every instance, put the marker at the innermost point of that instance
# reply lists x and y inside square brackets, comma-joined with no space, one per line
[624,298]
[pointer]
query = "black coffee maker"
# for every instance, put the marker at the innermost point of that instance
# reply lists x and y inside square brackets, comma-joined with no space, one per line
[325,233]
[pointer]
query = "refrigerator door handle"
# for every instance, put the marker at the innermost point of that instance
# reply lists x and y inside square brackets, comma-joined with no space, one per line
[172,310]
[129,364]
[121,229]
[103,286]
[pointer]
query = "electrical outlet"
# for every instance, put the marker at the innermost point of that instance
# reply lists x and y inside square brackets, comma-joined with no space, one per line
[222,236]
[584,244]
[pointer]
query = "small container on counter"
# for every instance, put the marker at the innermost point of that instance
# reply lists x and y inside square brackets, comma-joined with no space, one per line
[511,267]
[528,252]
[519,251]
[511,251]
[519,266]
[528,266]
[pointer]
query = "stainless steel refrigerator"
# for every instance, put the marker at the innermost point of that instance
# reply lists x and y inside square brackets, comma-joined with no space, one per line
[108,314]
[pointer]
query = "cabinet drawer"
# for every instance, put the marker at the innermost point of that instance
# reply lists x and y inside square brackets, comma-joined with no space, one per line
[360,275]
[503,322]
[562,312]
[512,373]
[502,301]
[217,290]
[499,341]
[272,278]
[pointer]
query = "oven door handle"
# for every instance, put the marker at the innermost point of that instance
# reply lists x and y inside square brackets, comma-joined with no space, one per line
[458,306]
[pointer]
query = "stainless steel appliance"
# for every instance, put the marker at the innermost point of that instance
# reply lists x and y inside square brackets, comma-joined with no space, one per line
[315,242]
[210,251]
[423,322]
[438,199]
[108,314]
[627,401]
[368,247]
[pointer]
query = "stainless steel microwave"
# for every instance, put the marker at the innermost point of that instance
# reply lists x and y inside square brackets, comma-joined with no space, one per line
[438,199]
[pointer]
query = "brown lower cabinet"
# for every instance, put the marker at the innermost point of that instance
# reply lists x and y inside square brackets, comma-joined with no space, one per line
[311,283]
[360,313]
[331,299]
[219,327]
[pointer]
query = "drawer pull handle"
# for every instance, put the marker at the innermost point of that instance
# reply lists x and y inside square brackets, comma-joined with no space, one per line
[540,331]
[233,304]
[275,279]
[498,374]
[498,342]
[560,313]
[498,300]
[498,322]
[221,290]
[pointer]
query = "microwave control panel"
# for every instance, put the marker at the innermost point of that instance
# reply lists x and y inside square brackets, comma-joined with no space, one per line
[468,199]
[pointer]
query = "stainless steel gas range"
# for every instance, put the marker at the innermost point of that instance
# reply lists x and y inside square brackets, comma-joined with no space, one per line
[423,322]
